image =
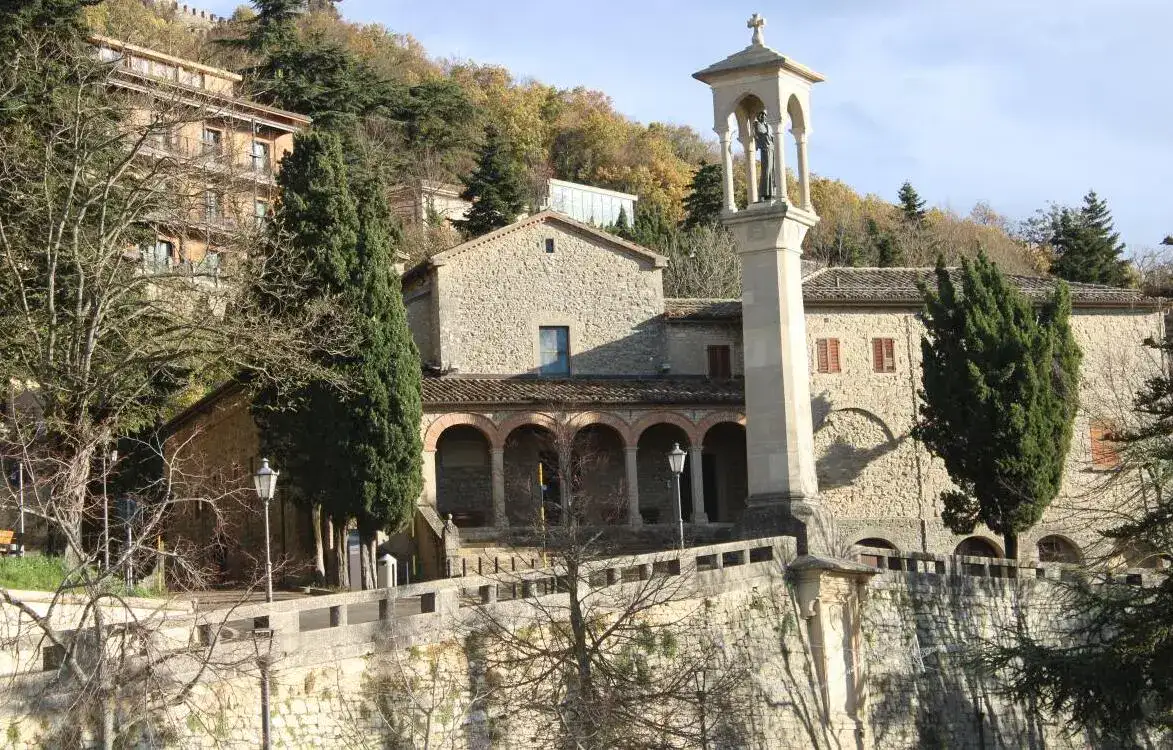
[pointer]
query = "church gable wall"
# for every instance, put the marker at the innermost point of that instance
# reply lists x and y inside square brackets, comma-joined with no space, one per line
[493,299]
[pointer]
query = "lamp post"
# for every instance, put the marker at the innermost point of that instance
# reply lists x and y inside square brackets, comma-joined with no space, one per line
[699,676]
[265,482]
[676,458]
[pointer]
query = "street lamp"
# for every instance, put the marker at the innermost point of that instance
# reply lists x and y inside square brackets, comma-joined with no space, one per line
[676,464]
[265,482]
[699,677]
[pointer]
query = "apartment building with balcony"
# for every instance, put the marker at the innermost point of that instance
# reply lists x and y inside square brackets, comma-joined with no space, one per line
[229,145]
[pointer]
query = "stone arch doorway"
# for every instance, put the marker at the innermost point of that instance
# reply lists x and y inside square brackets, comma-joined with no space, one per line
[724,471]
[1056,548]
[533,479]
[978,546]
[597,471]
[464,485]
[656,491]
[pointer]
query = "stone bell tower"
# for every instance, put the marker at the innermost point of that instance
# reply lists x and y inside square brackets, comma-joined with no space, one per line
[757,92]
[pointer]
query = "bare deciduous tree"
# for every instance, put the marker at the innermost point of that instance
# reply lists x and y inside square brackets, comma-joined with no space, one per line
[97,339]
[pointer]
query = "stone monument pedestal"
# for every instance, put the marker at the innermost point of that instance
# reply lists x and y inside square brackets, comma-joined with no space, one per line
[807,520]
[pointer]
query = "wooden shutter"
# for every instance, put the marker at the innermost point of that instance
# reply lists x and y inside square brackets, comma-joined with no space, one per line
[720,362]
[827,355]
[884,355]
[1104,455]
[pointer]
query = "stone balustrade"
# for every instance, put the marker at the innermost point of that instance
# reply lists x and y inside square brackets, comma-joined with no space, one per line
[980,567]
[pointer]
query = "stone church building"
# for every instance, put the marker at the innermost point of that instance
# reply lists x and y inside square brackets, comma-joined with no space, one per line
[558,377]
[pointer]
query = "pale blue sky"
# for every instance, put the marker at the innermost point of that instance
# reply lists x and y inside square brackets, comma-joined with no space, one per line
[1016,102]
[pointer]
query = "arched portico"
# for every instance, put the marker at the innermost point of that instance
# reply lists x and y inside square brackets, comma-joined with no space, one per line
[463,475]
[723,478]
[536,470]
[598,474]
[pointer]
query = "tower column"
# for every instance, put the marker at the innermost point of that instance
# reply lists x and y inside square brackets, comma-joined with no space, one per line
[804,177]
[631,453]
[696,466]
[780,158]
[752,168]
[727,169]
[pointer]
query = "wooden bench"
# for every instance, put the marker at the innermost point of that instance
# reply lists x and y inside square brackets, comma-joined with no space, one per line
[10,544]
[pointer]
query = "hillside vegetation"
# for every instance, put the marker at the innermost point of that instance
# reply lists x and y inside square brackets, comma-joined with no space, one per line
[429,116]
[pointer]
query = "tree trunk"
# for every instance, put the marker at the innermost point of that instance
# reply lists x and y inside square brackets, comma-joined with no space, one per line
[331,559]
[365,562]
[319,551]
[1011,545]
[341,556]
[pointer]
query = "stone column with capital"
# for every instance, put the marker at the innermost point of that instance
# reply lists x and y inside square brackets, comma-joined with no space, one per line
[751,163]
[726,141]
[632,465]
[780,159]
[804,179]
[696,466]
[500,519]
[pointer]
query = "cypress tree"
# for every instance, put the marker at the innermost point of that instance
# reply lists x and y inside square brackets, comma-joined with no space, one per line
[305,432]
[1087,247]
[1000,380]
[911,204]
[384,411]
[705,199]
[496,188]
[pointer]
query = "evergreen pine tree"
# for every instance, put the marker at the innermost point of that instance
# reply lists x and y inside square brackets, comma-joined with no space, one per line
[1110,672]
[621,227]
[888,253]
[1086,245]
[705,199]
[652,228]
[1000,391]
[911,204]
[496,188]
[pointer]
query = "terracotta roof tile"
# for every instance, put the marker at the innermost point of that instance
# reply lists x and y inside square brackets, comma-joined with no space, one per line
[448,390]
[898,286]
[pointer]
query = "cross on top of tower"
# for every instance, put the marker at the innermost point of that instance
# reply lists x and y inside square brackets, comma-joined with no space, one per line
[756,23]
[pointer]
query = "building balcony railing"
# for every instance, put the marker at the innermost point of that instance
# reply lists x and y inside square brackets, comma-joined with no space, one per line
[214,156]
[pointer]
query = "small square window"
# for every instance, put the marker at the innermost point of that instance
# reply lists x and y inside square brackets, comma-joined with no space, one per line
[549,244]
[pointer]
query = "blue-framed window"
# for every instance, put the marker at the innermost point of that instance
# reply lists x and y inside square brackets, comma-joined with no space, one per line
[554,346]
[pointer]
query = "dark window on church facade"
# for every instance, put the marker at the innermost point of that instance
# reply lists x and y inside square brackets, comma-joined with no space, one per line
[554,350]
[720,362]
[549,244]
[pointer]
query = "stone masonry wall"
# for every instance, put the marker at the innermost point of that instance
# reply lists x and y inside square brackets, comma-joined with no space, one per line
[874,476]
[493,298]
[916,631]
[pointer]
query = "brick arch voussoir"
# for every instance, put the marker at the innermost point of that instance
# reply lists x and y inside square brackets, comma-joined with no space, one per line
[537,419]
[712,420]
[665,417]
[456,419]
[581,421]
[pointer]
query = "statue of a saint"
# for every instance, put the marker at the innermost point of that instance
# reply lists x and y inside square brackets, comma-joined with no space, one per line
[764,140]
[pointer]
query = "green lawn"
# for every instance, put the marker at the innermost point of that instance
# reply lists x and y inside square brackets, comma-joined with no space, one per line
[45,573]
